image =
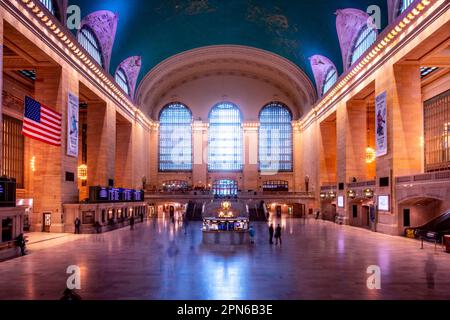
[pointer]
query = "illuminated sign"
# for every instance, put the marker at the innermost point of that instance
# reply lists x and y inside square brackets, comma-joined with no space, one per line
[383,203]
[340,201]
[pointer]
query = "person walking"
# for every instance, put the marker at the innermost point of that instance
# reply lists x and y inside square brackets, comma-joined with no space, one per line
[77,226]
[271,233]
[252,234]
[21,243]
[278,235]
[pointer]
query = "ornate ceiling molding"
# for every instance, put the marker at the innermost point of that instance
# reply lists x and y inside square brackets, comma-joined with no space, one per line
[132,67]
[226,60]
[104,25]
[320,66]
[349,23]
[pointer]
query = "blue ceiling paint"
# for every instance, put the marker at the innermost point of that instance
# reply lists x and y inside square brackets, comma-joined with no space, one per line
[159,29]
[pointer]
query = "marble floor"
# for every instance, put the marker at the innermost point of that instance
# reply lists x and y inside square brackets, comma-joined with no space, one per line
[158,260]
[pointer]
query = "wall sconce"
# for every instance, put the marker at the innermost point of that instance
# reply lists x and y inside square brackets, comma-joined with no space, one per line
[368,193]
[370,155]
[351,194]
[332,195]
[323,196]
[33,164]
[83,172]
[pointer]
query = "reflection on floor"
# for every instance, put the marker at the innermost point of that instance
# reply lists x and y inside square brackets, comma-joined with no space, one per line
[162,260]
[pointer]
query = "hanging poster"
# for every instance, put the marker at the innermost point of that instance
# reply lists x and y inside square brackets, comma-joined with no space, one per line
[72,126]
[381,125]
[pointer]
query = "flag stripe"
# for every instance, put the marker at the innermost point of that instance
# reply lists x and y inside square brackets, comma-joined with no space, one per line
[32,124]
[45,135]
[40,138]
[52,113]
[50,119]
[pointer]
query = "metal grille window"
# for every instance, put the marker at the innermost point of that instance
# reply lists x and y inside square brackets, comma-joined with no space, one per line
[437,133]
[175,138]
[89,41]
[275,185]
[225,188]
[122,81]
[365,40]
[330,80]
[13,150]
[49,5]
[225,138]
[275,138]
[405,4]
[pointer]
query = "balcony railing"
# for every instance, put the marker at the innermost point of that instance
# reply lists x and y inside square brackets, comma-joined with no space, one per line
[362,184]
[427,177]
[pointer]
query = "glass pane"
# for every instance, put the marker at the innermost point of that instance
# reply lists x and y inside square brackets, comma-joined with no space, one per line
[364,41]
[175,138]
[89,42]
[275,139]
[225,138]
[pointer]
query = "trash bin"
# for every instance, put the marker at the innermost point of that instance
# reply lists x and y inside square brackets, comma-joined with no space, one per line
[447,243]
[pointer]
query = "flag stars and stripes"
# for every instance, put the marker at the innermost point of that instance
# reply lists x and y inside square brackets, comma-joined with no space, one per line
[41,123]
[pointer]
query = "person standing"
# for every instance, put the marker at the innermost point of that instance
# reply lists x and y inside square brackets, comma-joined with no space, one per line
[278,235]
[77,226]
[252,234]
[271,233]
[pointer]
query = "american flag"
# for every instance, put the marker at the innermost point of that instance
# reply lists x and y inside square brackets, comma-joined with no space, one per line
[41,123]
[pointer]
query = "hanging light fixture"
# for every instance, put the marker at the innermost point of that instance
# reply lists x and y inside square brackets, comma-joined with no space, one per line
[370,155]
[83,172]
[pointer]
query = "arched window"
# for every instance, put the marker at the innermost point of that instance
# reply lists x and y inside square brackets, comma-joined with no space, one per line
[225,138]
[89,41]
[404,4]
[175,138]
[275,138]
[122,81]
[365,40]
[225,188]
[330,80]
[50,6]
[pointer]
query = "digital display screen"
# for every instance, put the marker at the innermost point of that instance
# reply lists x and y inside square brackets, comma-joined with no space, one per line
[383,203]
[127,194]
[114,194]
[138,196]
[340,201]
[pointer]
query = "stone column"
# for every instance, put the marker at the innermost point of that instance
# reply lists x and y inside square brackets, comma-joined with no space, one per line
[402,83]
[341,158]
[328,152]
[124,154]
[356,140]
[101,141]
[299,174]
[250,170]
[153,145]
[50,188]
[200,153]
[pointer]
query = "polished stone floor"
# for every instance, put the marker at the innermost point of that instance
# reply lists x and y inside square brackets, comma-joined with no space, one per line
[158,260]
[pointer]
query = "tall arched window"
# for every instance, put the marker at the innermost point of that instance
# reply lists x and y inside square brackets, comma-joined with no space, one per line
[330,80]
[275,138]
[175,138]
[365,40]
[225,138]
[50,6]
[404,4]
[122,81]
[89,41]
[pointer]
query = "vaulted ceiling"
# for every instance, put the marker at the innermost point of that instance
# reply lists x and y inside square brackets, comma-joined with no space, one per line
[159,29]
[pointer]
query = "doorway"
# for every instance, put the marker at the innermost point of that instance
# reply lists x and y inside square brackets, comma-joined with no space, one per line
[47,218]
[366,216]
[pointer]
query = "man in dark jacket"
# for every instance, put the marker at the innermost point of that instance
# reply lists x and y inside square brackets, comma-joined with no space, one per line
[21,243]
[278,234]
[77,226]
[271,233]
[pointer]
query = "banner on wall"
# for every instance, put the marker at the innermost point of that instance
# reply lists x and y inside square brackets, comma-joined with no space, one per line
[72,126]
[381,125]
